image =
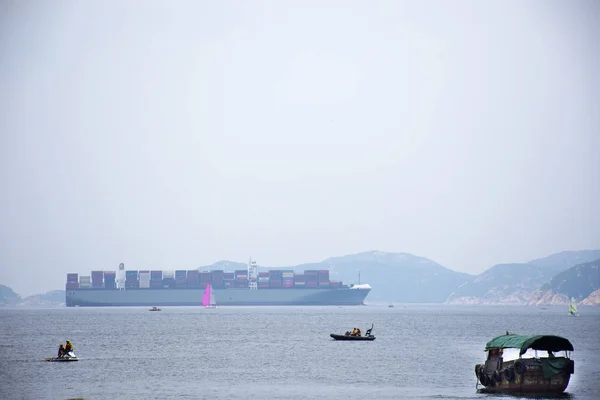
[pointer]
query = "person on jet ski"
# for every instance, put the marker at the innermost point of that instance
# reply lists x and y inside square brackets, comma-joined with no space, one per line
[68,347]
[61,351]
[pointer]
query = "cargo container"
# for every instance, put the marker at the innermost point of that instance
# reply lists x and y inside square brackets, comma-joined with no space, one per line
[156,275]
[168,274]
[156,283]
[276,287]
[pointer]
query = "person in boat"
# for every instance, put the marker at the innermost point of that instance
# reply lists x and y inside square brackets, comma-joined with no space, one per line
[68,347]
[61,351]
[358,332]
[353,332]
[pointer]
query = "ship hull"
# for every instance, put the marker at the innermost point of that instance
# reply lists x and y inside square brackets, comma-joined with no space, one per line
[530,379]
[223,297]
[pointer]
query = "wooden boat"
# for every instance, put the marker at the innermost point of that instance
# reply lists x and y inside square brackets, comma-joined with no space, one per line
[531,368]
[348,336]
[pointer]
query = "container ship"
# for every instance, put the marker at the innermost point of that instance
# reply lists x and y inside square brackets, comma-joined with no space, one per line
[185,288]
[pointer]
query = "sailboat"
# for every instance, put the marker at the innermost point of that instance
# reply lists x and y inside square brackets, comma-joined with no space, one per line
[208,298]
[573,308]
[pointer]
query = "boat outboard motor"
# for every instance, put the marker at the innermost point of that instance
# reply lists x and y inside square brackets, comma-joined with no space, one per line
[368,333]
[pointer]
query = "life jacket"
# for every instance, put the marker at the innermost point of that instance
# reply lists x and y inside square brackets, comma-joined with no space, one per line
[68,347]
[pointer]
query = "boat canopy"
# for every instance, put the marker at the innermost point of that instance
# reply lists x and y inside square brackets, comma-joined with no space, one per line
[524,342]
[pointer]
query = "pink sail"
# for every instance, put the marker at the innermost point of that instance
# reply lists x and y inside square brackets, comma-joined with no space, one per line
[206,296]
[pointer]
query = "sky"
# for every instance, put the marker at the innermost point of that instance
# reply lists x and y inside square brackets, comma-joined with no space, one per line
[170,135]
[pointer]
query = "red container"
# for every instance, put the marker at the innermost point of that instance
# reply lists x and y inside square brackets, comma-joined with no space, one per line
[323,284]
[288,283]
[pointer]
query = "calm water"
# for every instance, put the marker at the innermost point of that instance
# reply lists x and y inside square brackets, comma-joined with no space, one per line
[421,352]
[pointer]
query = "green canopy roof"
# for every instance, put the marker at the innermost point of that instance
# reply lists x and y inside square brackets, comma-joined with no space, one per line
[523,342]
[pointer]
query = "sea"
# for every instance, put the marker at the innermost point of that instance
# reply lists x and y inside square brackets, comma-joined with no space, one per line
[420,352]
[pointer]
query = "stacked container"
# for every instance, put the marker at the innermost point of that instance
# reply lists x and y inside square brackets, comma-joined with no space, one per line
[85,282]
[287,277]
[217,278]
[131,280]
[169,279]
[204,278]
[241,278]
[228,280]
[193,279]
[97,279]
[275,279]
[72,281]
[156,279]
[110,280]
[144,279]
[323,278]
[263,280]
[180,277]
[299,281]
[335,284]
[311,277]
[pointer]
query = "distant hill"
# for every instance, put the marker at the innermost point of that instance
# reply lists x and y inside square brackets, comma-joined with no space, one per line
[54,298]
[519,283]
[503,284]
[579,281]
[8,297]
[225,266]
[567,259]
[394,277]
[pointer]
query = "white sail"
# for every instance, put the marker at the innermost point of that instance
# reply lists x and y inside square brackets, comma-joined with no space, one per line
[572,307]
[212,298]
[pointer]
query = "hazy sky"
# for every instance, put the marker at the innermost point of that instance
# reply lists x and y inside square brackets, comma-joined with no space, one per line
[171,135]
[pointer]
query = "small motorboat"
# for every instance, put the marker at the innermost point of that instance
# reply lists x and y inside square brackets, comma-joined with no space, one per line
[348,336]
[154,309]
[70,356]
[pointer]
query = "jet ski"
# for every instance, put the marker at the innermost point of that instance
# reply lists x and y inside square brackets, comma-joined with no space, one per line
[70,356]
